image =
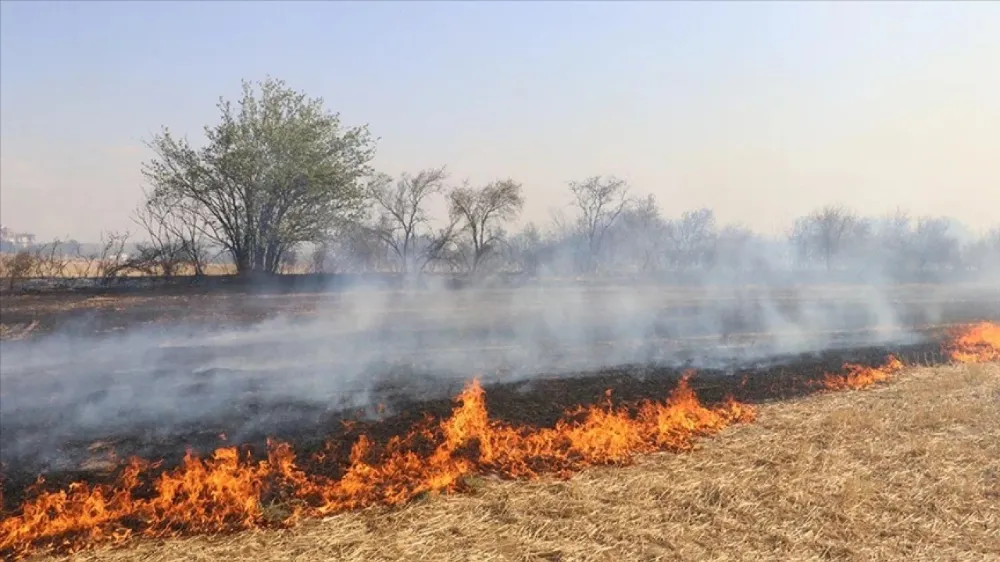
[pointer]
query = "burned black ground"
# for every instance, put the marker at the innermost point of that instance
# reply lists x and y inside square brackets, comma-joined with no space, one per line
[538,403]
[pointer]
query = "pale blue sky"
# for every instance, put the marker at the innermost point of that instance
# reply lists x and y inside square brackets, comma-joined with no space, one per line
[759,110]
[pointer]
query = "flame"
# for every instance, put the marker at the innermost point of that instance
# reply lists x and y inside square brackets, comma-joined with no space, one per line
[229,490]
[978,343]
[857,377]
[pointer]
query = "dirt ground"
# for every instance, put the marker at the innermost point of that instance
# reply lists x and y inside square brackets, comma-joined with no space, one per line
[906,471]
[24,315]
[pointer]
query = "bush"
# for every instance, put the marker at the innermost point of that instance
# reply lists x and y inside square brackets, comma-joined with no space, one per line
[17,267]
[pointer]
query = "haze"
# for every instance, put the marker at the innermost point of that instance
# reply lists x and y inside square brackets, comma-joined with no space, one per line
[761,111]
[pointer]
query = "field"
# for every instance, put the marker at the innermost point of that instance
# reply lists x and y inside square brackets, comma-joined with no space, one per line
[95,311]
[906,471]
[46,265]
[326,403]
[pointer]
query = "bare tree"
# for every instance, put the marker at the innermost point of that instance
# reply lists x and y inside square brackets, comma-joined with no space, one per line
[984,253]
[87,263]
[524,251]
[600,202]
[17,267]
[993,238]
[934,246]
[692,239]
[362,249]
[894,235]
[638,236]
[402,221]
[176,237]
[732,244]
[439,247]
[111,260]
[826,233]
[354,247]
[479,212]
[992,243]
[50,261]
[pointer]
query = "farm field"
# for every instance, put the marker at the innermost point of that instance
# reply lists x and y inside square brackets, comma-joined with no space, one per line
[45,311]
[905,471]
[660,284]
[212,385]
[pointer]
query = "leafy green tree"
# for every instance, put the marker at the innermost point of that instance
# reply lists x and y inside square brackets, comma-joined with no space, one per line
[276,171]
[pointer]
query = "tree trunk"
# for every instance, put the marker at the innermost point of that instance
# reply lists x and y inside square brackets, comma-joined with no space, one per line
[242,259]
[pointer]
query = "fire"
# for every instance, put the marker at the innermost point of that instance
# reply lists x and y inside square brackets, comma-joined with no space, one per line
[227,492]
[230,490]
[857,377]
[978,343]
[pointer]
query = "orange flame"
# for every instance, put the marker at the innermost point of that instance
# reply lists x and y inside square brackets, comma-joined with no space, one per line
[224,492]
[857,377]
[978,343]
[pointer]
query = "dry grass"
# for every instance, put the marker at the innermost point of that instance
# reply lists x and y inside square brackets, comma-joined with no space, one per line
[17,331]
[76,268]
[909,471]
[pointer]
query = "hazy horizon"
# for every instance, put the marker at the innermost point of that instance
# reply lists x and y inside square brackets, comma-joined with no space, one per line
[760,111]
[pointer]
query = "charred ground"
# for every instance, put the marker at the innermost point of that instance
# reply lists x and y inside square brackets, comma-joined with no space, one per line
[537,403]
[402,394]
[110,310]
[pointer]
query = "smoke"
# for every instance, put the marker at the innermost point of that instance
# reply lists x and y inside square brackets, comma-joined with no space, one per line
[60,392]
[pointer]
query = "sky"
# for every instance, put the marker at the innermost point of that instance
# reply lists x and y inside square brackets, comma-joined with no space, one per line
[761,111]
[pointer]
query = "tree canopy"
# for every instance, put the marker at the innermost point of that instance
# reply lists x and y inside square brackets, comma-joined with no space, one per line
[277,170]
[481,212]
[402,221]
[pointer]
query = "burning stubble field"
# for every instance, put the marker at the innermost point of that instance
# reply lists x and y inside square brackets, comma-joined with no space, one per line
[603,395]
[907,470]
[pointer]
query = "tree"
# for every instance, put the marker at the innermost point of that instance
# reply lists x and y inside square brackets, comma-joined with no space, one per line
[402,222]
[111,260]
[353,247]
[50,260]
[175,237]
[693,238]
[826,233]
[276,171]
[638,235]
[17,267]
[733,244]
[984,253]
[600,202]
[992,244]
[524,250]
[894,234]
[934,247]
[480,210]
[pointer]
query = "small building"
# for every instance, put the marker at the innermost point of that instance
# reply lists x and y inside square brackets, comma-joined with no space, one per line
[11,241]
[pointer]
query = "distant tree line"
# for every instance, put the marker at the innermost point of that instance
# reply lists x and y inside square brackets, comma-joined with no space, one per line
[280,183]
